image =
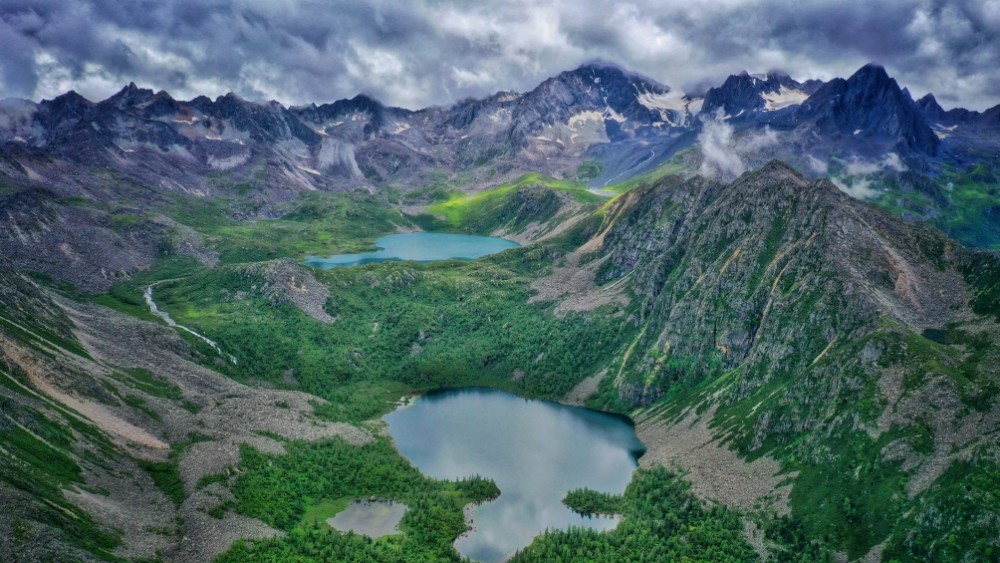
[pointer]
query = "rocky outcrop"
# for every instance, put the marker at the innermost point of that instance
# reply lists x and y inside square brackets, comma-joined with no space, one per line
[285,280]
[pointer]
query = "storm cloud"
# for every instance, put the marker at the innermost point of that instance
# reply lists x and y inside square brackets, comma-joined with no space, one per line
[435,52]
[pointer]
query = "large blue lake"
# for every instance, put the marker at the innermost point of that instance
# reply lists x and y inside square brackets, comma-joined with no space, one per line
[421,247]
[535,451]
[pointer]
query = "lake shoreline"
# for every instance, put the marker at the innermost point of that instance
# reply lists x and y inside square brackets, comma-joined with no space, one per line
[418,246]
[458,433]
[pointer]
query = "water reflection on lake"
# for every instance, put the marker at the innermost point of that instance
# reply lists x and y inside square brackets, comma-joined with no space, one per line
[420,247]
[536,451]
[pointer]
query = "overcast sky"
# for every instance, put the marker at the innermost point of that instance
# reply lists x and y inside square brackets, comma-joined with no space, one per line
[434,52]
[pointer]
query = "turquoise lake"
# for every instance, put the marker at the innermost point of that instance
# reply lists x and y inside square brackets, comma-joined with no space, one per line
[420,247]
[535,451]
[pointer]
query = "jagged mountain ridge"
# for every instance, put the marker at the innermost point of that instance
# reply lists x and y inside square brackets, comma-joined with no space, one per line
[869,103]
[743,94]
[597,111]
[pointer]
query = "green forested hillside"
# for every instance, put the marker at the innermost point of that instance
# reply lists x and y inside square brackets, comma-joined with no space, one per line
[855,351]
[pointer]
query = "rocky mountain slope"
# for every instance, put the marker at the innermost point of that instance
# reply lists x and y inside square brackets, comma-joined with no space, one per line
[806,327]
[109,423]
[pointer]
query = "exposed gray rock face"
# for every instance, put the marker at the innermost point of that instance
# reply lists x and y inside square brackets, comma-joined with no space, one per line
[731,276]
[291,281]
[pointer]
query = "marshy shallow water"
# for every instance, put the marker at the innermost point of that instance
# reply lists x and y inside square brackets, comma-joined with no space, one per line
[371,518]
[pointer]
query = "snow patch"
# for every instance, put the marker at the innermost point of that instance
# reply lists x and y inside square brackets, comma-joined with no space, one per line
[943,132]
[673,100]
[228,162]
[783,98]
[614,115]
[584,117]
[399,128]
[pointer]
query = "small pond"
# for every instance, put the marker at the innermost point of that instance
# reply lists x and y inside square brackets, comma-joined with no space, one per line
[371,518]
[535,451]
[420,247]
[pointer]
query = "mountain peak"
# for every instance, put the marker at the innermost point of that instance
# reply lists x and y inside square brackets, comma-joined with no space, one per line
[871,72]
[598,71]
[230,97]
[870,103]
[71,97]
[746,94]
[931,108]
[366,100]
[872,67]
[775,172]
[599,64]
[928,99]
[128,96]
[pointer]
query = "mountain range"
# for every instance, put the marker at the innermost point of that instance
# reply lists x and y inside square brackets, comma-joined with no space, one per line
[791,287]
[572,117]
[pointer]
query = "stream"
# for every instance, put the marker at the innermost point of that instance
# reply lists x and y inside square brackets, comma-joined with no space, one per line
[148,294]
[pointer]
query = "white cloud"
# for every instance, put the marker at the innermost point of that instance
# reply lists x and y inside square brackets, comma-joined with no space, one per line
[858,167]
[754,141]
[818,166]
[431,52]
[888,163]
[859,188]
[718,149]
[725,153]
